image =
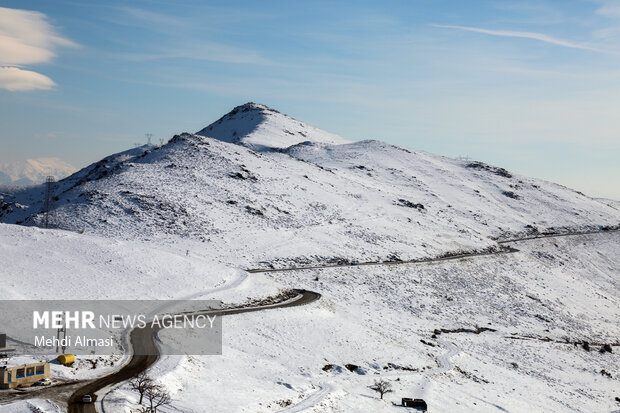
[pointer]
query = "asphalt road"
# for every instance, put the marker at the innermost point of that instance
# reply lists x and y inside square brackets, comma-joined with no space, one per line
[551,235]
[142,341]
[504,250]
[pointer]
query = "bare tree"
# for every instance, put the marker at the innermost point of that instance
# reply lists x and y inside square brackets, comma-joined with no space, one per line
[382,387]
[141,383]
[158,396]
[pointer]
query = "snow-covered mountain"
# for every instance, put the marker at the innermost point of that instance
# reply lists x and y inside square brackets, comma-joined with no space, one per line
[365,200]
[261,128]
[533,330]
[33,171]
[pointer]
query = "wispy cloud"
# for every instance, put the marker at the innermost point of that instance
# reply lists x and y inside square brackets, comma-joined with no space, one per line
[609,9]
[183,37]
[609,29]
[205,51]
[137,15]
[26,38]
[523,35]
[199,16]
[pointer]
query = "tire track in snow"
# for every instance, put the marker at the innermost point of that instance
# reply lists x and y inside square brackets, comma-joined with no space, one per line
[310,401]
[445,364]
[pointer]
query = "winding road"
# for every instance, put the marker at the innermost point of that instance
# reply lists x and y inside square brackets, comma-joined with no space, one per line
[503,250]
[552,235]
[145,351]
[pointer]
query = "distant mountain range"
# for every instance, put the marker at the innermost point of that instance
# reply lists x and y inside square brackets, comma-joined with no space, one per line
[33,171]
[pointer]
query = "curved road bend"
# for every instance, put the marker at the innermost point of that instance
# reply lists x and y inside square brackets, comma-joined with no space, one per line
[142,341]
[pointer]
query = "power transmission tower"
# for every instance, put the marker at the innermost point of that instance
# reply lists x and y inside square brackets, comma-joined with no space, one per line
[48,204]
[148,137]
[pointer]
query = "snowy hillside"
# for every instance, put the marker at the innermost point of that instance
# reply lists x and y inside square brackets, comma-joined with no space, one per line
[535,329]
[309,202]
[33,171]
[412,324]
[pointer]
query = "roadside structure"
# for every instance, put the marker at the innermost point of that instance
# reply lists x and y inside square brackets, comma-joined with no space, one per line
[23,375]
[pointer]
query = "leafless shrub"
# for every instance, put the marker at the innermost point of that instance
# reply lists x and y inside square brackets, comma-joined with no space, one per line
[382,387]
[141,383]
[157,396]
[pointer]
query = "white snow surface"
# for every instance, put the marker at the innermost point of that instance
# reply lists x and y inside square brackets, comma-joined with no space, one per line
[374,317]
[158,222]
[261,128]
[34,405]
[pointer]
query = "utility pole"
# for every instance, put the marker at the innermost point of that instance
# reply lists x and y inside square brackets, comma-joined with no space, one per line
[48,204]
[61,332]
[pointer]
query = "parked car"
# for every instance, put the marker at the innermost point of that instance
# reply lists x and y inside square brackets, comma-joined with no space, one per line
[43,382]
[87,398]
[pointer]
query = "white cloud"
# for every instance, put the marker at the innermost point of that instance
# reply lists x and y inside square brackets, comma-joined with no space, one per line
[14,79]
[26,38]
[524,35]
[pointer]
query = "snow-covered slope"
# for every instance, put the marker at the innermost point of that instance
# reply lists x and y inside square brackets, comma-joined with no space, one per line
[504,332]
[541,305]
[310,202]
[33,171]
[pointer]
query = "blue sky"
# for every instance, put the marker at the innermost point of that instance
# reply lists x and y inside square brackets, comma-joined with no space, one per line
[530,86]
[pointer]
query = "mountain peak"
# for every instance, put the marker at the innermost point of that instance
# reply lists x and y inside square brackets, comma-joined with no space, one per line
[253,106]
[262,128]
